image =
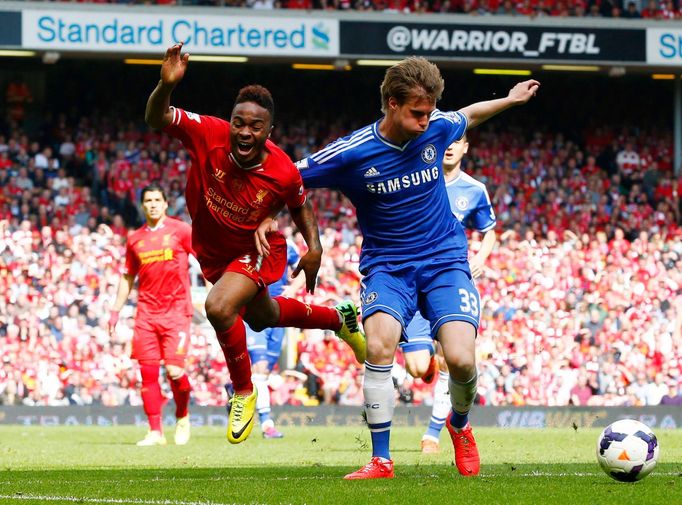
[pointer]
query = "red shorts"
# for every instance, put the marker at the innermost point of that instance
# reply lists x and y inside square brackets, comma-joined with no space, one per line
[262,271]
[161,338]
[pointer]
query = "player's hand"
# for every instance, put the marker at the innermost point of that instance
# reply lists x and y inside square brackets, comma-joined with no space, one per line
[268,225]
[524,91]
[476,266]
[174,65]
[310,264]
[113,321]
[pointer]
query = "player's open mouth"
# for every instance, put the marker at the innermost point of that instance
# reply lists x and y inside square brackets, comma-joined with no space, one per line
[244,149]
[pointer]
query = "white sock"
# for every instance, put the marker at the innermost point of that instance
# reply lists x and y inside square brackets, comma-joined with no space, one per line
[462,394]
[441,400]
[379,396]
[260,382]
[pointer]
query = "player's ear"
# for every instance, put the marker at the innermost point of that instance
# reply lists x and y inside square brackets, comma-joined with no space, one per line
[272,127]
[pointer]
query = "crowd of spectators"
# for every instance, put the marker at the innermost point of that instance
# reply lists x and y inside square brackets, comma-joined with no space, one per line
[582,296]
[628,9]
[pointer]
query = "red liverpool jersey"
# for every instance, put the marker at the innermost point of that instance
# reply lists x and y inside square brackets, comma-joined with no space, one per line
[159,258]
[227,202]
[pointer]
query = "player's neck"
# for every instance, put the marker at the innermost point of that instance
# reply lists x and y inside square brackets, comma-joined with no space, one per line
[153,224]
[388,130]
[452,173]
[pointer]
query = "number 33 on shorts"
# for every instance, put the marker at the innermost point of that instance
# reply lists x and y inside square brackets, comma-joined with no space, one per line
[469,302]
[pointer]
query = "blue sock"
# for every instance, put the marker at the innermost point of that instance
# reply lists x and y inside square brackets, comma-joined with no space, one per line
[380,443]
[264,416]
[435,425]
[458,420]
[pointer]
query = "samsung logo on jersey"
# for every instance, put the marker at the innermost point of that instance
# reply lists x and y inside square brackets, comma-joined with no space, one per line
[404,182]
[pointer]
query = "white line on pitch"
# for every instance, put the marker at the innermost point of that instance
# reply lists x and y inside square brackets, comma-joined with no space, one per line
[121,501]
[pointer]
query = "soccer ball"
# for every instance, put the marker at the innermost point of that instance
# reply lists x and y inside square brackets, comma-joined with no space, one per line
[627,450]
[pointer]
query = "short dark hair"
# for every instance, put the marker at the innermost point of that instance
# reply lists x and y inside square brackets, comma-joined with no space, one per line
[259,95]
[154,186]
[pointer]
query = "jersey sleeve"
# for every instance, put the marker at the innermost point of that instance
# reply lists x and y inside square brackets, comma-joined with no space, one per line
[455,124]
[483,218]
[324,169]
[295,195]
[196,132]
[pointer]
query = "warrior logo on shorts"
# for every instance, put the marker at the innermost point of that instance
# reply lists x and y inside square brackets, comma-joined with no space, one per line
[428,153]
[462,203]
[371,298]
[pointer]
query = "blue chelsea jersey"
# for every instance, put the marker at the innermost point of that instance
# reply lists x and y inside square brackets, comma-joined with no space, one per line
[470,203]
[398,190]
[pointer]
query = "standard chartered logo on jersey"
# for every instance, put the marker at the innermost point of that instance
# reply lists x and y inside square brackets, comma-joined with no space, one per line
[202,34]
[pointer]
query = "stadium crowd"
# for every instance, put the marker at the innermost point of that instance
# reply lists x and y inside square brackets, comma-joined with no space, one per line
[582,296]
[628,9]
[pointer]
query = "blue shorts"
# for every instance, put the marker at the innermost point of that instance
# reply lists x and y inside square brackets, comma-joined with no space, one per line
[417,336]
[442,290]
[264,345]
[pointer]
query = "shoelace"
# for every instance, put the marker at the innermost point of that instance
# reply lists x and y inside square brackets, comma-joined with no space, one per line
[238,407]
[368,467]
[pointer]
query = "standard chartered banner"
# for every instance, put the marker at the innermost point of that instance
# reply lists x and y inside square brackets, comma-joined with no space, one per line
[664,46]
[503,417]
[492,41]
[149,33]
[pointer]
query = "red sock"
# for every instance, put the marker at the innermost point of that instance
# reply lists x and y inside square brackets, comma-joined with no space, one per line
[152,398]
[181,389]
[233,343]
[295,314]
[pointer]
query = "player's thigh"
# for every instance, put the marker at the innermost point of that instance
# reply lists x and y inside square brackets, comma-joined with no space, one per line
[449,295]
[458,341]
[174,337]
[146,345]
[390,290]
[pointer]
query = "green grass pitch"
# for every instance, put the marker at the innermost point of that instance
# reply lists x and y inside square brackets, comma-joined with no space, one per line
[101,465]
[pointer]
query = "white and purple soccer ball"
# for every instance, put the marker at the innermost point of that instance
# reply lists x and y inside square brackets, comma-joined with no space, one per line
[627,450]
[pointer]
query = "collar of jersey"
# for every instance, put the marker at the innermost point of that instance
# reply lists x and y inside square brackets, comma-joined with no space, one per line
[381,138]
[246,169]
[455,179]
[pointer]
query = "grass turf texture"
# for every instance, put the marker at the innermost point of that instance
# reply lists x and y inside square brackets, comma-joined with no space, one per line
[102,465]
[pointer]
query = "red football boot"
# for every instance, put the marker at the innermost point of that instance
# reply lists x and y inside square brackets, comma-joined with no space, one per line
[375,469]
[466,453]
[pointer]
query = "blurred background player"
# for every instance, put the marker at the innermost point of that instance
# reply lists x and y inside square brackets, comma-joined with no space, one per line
[157,253]
[471,205]
[265,348]
[239,177]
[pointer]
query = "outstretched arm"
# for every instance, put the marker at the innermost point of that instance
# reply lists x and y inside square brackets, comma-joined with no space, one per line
[478,261]
[305,220]
[480,112]
[158,114]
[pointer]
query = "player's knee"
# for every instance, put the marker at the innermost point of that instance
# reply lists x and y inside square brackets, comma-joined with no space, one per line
[462,366]
[416,367]
[260,367]
[220,315]
[175,372]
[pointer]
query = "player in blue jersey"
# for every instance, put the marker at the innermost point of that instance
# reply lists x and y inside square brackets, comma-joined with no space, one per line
[470,203]
[414,254]
[265,348]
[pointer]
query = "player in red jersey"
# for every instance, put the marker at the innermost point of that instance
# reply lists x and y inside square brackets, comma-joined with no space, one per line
[239,177]
[157,253]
